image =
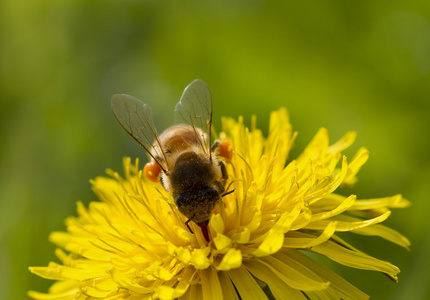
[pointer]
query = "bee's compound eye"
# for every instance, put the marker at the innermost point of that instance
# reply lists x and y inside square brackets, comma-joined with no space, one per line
[181,199]
[209,193]
[225,150]
[152,171]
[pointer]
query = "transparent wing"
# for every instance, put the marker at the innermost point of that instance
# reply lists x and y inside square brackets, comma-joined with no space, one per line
[136,118]
[195,109]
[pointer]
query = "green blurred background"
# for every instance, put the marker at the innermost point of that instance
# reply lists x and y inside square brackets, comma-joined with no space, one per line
[343,65]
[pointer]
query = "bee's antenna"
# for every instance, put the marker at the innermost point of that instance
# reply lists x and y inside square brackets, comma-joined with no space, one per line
[226,193]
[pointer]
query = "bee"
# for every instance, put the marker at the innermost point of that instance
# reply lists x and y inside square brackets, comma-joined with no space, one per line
[181,158]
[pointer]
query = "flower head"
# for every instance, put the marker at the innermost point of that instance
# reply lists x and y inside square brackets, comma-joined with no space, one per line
[134,243]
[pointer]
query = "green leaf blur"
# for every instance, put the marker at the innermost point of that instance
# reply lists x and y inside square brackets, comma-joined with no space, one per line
[343,65]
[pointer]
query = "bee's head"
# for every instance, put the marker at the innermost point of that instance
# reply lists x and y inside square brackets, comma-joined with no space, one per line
[198,205]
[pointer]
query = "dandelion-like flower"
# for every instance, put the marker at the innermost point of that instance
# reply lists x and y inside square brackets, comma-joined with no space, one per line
[134,243]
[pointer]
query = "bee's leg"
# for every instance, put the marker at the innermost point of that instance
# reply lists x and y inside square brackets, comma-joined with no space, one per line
[223,170]
[188,226]
[215,147]
[219,186]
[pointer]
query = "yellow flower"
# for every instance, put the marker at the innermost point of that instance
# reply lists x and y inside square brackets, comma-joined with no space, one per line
[133,244]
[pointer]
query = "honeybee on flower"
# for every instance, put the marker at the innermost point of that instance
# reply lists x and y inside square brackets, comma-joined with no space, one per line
[181,157]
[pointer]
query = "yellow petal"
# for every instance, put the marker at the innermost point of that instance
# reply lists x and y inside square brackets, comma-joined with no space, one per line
[222,242]
[393,202]
[296,239]
[294,274]
[168,292]
[315,148]
[60,287]
[381,231]
[61,239]
[243,237]
[354,258]
[193,292]
[274,239]
[228,290]
[279,288]
[217,223]
[346,141]
[59,272]
[199,258]
[211,287]
[271,244]
[347,226]
[255,223]
[69,295]
[94,291]
[338,210]
[343,288]
[246,285]
[181,253]
[328,185]
[123,280]
[357,162]
[231,260]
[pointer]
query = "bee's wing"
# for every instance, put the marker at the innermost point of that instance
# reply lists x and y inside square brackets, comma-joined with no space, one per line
[195,109]
[136,118]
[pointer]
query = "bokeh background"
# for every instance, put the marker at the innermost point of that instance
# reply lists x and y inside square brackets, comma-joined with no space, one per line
[343,65]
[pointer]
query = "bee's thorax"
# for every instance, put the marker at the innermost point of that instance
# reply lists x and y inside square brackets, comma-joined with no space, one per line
[191,172]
